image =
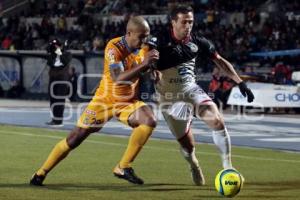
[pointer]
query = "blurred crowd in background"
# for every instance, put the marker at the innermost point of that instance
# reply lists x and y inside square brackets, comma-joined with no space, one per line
[236,27]
[249,28]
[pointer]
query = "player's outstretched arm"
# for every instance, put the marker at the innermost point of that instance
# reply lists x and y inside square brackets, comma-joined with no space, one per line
[227,68]
[229,71]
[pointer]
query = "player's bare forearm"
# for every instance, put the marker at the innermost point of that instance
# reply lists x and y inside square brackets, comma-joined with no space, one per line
[227,68]
[119,75]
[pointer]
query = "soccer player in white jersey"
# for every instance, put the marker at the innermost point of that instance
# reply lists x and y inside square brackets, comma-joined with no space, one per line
[180,96]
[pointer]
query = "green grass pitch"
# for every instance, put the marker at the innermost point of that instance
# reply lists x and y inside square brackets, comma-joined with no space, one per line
[87,172]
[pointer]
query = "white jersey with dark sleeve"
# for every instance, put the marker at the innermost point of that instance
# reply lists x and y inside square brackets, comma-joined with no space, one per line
[177,64]
[179,92]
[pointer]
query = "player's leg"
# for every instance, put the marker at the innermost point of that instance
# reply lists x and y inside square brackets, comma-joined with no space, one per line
[143,123]
[141,118]
[210,114]
[91,120]
[181,130]
[207,110]
[60,151]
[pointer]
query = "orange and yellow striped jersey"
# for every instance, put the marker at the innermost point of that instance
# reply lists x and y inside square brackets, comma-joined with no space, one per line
[117,54]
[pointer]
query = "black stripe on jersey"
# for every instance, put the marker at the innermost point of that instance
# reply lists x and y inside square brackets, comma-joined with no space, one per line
[119,45]
[189,67]
[186,71]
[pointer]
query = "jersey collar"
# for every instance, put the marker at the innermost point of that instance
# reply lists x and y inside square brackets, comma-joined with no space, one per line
[130,50]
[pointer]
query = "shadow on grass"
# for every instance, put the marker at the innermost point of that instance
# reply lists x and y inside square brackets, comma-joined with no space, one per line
[273,186]
[269,190]
[264,196]
[159,187]
[240,196]
[154,187]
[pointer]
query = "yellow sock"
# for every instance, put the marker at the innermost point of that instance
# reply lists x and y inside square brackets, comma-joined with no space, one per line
[138,138]
[59,152]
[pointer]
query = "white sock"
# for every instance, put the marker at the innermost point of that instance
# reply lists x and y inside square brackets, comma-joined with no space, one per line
[190,157]
[222,141]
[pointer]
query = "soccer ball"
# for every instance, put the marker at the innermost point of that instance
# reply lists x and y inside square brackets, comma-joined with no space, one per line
[229,182]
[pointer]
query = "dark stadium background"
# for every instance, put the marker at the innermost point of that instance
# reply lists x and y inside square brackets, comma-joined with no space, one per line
[261,39]
[238,29]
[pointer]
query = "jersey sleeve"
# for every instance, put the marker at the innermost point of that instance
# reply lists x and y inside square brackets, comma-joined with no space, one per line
[207,47]
[113,57]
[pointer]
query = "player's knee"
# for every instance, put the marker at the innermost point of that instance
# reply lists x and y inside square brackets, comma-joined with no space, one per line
[76,137]
[150,121]
[218,123]
[187,147]
[187,142]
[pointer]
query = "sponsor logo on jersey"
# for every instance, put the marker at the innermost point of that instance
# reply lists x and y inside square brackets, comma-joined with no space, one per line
[193,47]
[90,112]
[175,80]
[111,55]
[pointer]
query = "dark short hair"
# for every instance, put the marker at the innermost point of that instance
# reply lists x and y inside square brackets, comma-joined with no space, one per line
[184,9]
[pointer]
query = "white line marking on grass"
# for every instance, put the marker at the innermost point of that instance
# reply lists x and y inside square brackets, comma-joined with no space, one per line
[292,139]
[155,148]
[58,137]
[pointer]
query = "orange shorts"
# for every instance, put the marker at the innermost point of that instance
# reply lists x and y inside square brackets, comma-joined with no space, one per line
[97,113]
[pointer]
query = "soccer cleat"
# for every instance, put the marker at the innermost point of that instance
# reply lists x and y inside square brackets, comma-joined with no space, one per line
[127,174]
[54,124]
[197,175]
[196,170]
[37,180]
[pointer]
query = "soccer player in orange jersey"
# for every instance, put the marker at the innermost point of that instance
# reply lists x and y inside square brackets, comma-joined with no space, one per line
[116,96]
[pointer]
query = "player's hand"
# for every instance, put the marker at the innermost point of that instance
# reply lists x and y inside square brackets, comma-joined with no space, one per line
[156,76]
[58,52]
[150,57]
[246,92]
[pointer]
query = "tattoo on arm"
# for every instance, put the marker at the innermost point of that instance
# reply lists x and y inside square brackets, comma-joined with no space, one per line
[115,72]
